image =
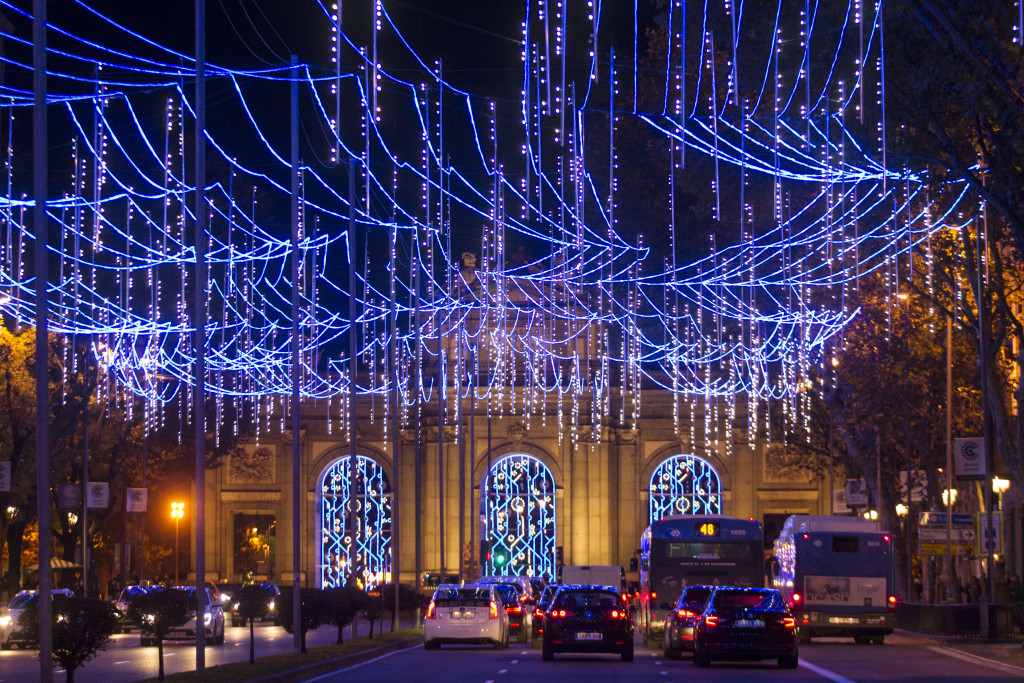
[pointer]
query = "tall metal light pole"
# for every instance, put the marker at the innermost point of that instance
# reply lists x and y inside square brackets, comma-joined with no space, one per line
[177,512]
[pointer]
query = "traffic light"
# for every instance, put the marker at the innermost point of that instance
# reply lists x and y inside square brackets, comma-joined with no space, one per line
[485,550]
[500,558]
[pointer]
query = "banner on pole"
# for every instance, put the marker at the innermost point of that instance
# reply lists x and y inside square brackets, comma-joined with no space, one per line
[135,500]
[70,497]
[856,493]
[5,476]
[839,506]
[98,495]
[969,458]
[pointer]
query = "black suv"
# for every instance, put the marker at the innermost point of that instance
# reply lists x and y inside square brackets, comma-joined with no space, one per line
[746,623]
[680,622]
[588,619]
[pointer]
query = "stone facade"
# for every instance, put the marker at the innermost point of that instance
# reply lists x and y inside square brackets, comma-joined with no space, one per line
[601,482]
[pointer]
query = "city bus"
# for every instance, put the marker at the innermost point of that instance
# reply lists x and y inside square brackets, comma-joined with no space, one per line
[836,573]
[685,550]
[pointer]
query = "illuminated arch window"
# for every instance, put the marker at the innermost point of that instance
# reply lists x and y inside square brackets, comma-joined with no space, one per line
[519,506]
[685,485]
[372,551]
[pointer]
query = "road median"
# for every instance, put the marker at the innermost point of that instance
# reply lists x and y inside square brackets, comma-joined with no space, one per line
[286,668]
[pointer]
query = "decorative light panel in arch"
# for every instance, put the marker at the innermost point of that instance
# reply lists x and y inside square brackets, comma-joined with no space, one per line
[685,485]
[519,507]
[369,553]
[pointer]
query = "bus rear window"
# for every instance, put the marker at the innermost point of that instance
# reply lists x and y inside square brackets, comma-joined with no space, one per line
[701,550]
[845,544]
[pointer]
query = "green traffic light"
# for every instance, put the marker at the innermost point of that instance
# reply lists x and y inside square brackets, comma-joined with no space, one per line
[499,559]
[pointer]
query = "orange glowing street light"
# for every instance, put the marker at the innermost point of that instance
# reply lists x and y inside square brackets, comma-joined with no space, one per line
[177,512]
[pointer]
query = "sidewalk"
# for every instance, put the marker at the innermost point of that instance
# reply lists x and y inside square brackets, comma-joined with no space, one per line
[1007,654]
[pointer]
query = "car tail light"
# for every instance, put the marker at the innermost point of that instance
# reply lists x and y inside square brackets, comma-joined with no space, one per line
[711,620]
[892,603]
[789,622]
[538,614]
[493,611]
[515,609]
[616,614]
[430,610]
[684,614]
[559,613]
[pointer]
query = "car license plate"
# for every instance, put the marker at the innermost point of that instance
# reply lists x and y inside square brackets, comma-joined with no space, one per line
[462,615]
[749,623]
[843,620]
[588,636]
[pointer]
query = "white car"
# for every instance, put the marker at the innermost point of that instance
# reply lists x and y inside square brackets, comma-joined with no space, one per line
[12,631]
[465,615]
[213,622]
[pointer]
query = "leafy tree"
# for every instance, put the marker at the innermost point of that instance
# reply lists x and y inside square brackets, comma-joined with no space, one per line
[252,605]
[341,607]
[81,629]
[409,599]
[312,611]
[373,609]
[159,611]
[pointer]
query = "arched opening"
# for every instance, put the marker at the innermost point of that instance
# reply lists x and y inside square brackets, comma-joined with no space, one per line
[518,505]
[685,485]
[366,553]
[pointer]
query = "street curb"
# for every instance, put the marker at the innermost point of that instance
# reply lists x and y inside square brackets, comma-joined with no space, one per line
[329,665]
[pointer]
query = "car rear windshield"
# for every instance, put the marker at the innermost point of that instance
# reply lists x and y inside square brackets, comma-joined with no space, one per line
[738,600]
[695,596]
[587,600]
[23,601]
[466,597]
[549,593]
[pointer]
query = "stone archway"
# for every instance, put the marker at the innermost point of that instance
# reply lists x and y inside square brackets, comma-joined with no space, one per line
[519,506]
[367,552]
[684,485]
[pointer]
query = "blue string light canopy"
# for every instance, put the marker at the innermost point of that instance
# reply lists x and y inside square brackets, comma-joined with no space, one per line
[492,231]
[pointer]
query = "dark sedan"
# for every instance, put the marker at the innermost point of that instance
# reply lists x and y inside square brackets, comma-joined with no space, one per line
[746,623]
[518,621]
[681,620]
[588,619]
[539,610]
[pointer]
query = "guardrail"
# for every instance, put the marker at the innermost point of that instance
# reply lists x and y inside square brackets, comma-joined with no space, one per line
[1005,619]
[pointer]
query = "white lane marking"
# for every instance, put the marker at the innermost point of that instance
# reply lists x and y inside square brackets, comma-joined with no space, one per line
[514,661]
[355,666]
[977,659]
[825,673]
[663,673]
[503,671]
[122,662]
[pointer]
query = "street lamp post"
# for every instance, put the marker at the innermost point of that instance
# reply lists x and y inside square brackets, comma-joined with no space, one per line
[177,512]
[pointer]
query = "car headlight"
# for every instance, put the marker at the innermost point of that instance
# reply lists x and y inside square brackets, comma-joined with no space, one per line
[150,618]
[207,618]
[234,607]
[270,605]
[5,620]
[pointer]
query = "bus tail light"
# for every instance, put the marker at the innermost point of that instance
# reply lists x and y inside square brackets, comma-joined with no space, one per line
[797,599]
[892,603]
[430,610]
[494,611]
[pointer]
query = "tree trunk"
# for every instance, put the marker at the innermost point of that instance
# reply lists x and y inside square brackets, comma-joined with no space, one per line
[341,635]
[15,544]
[71,675]
[252,642]
[302,638]
[160,652]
